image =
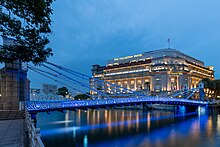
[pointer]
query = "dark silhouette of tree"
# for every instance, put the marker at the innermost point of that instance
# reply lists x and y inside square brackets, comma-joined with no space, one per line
[212,85]
[28,22]
[99,88]
[217,93]
[81,97]
[63,91]
[206,82]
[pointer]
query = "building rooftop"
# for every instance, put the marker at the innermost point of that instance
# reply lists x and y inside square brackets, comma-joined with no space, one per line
[155,54]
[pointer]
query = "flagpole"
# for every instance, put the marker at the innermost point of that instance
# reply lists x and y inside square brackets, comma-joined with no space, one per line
[168,43]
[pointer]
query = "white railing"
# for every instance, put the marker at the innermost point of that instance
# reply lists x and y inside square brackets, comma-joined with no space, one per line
[47,97]
[33,133]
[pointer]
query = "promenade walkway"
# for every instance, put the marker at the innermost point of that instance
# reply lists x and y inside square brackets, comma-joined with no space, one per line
[12,129]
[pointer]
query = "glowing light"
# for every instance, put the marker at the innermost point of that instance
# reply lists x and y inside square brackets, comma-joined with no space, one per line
[35,105]
[182,108]
[85,141]
[201,110]
[58,131]
[61,122]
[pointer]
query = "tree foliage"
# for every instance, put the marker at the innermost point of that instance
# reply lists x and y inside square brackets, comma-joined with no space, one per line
[63,91]
[29,23]
[213,85]
[81,97]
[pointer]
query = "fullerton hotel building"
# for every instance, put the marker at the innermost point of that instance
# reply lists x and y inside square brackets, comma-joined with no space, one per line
[163,70]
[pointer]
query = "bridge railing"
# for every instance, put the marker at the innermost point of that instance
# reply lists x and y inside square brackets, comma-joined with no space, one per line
[37,105]
[47,97]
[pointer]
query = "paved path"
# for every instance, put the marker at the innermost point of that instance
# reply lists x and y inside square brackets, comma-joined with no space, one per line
[11,129]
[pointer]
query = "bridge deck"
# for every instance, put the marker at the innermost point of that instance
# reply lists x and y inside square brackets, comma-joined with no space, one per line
[86,104]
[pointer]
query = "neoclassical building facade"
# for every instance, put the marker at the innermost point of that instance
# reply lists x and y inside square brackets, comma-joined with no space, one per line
[163,70]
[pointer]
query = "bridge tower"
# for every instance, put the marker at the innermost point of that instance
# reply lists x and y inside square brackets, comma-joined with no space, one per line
[14,85]
[201,91]
[185,89]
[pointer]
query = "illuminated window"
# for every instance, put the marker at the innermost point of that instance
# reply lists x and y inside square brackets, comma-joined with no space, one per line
[146,80]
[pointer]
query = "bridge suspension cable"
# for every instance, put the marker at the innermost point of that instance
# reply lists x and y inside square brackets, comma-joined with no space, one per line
[77,90]
[49,73]
[82,76]
[61,75]
[184,92]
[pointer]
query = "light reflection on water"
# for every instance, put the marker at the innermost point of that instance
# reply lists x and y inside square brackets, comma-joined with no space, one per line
[117,127]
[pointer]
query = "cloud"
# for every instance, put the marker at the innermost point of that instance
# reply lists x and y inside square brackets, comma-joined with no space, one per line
[92,32]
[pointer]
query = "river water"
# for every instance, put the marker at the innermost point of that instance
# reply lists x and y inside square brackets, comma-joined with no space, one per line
[128,128]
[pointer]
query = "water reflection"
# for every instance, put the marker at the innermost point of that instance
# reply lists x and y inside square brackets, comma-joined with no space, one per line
[118,127]
[85,141]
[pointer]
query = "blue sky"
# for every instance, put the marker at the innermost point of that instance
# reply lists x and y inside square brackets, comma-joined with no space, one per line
[87,32]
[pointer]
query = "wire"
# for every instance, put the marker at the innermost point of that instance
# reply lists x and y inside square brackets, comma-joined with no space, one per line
[59,82]
[81,75]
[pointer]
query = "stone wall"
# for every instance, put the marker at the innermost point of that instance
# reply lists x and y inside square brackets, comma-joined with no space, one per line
[14,88]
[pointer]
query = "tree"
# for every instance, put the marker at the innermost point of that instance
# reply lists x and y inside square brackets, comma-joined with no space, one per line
[63,91]
[206,82]
[212,86]
[29,23]
[217,88]
[99,88]
[81,97]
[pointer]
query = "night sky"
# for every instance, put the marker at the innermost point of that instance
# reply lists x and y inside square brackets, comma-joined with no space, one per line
[87,32]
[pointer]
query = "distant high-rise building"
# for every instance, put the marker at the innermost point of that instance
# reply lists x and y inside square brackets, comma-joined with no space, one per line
[35,91]
[49,89]
[162,70]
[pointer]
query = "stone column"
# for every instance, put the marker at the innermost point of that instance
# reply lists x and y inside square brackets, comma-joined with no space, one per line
[128,84]
[135,84]
[177,82]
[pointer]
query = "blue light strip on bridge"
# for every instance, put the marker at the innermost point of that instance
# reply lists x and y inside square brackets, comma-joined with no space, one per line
[50,105]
